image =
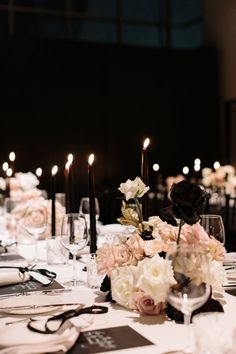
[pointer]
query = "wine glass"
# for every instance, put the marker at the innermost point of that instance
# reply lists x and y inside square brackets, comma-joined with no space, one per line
[74,237]
[84,209]
[190,266]
[214,226]
[35,223]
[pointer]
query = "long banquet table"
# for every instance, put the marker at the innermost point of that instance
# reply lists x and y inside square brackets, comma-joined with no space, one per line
[166,335]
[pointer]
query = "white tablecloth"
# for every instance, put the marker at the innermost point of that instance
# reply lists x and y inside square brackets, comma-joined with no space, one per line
[165,334]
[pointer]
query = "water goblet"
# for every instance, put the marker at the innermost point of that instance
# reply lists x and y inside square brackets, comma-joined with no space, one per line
[35,223]
[214,226]
[190,266]
[74,237]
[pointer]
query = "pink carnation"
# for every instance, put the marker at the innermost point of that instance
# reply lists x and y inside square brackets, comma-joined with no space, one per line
[145,304]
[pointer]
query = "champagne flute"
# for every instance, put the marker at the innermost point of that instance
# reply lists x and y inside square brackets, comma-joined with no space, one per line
[214,226]
[35,223]
[74,237]
[190,266]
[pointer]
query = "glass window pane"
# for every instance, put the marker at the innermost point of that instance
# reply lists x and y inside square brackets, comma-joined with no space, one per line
[43,4]
[94,31]
[149,10]
[185,10]
[3,23]
[191,37]
[39,26]
[142,35]
[95,7]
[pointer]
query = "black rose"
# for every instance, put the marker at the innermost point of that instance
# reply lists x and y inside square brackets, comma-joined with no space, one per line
[188,201]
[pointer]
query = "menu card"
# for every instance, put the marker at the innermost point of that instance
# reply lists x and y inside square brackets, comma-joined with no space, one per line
[11,257]
[108,339]
[29,286]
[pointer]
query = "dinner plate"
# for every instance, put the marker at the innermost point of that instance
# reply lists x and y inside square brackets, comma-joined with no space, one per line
[37,304]
[35,310]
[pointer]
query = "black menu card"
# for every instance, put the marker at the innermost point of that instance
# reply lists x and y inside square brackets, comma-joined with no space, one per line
[29,286]
[108,339]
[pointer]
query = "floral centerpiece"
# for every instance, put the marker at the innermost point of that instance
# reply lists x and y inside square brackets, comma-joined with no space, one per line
[138,277]
[224,177]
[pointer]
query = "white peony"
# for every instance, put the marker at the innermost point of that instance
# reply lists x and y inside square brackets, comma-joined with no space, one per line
[133,189]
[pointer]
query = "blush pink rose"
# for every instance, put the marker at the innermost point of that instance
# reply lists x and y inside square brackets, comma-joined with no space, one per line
[113,256]
[216,249]
[153,247]
[145,304]
[136,245]
[194,234]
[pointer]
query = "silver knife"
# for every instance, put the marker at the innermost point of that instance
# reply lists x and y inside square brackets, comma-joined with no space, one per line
[29,307]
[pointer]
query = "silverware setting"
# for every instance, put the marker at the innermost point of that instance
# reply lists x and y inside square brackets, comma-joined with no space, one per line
[32,307]
[44,292]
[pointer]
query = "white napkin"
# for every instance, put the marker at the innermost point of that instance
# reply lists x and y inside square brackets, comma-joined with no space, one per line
[230,258]
[12,276]
[18,339]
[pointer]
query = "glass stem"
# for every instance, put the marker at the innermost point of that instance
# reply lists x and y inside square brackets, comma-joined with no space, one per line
[74,268]
[36,247]
[187,321]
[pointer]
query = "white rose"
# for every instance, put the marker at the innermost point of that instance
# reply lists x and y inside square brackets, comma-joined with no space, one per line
[2,184]
[155,276]
[122,285]
[215,275]
[230,170]
[206,171]
[133,189]
[27,180]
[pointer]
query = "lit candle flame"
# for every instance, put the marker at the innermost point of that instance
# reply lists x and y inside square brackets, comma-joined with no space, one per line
[146,143]
[70,158]
[12,156]
[197,161]
[9,172]
[155,167]
[67,166]
[216,165]
[5,166]
[54,170]
[197,168]
[91,159]
[39,172]
[185,170]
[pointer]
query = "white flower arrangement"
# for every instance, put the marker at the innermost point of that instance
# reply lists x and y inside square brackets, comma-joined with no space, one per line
[139,276]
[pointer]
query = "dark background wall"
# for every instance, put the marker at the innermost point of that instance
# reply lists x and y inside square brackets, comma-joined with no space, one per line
[60,97]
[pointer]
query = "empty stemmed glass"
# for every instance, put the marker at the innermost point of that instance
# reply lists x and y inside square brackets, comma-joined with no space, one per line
[74,237]
[190,266]
[84,208]
[214,226]
[35,223]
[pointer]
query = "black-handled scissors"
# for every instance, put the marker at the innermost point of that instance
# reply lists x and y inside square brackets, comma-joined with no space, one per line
[53,324]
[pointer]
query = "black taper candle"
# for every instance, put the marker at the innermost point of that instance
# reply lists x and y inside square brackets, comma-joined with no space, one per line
[67,187]
[92,212]
[145,178]
[53,210]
